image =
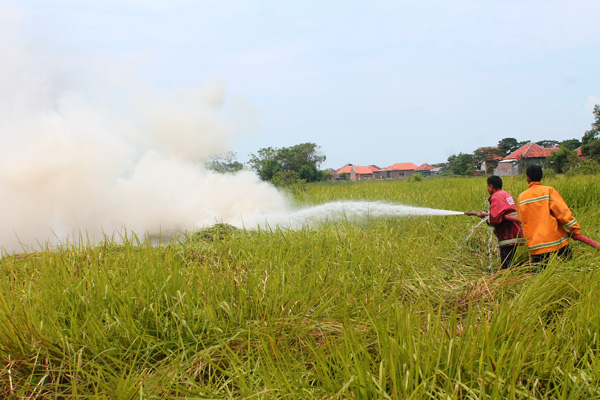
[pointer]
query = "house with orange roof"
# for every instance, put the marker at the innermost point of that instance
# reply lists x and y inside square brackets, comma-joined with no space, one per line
[400,170]
[425,169]
[337,173]
[580,153]
[491,158]
[345,169]
[515,162]
[358,173]
[378,173]
[333,172]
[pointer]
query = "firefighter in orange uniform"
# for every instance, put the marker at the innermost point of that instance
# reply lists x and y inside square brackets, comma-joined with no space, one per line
[545,218]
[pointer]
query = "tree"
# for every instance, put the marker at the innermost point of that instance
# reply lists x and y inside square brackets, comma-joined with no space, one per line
[325,175]
[304,159]
[257,161]
[224,163]
[489,155]
[590,141]
[562,160]
[461,164]
[288,179]
[308,173]
[295,157]
[270,168]
[570,144]
[508,145]
[547,143]
[587,167]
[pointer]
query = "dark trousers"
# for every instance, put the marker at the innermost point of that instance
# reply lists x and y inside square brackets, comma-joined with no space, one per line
[541,260]
[506,255]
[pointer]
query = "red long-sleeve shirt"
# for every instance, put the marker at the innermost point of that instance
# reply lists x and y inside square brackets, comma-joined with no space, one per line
[508,232]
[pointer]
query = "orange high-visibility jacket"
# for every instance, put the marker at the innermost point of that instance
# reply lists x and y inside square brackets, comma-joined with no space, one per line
[545,217]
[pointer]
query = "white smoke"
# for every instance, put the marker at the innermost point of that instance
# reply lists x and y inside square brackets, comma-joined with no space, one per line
[89,151]
[94,159]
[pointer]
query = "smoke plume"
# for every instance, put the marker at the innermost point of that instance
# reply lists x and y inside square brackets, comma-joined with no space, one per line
[89,154]
[88,151]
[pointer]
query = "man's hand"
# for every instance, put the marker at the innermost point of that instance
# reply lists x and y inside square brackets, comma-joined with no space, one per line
[483,214]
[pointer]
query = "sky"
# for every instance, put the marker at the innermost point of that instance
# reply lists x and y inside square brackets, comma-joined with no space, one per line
[376,82]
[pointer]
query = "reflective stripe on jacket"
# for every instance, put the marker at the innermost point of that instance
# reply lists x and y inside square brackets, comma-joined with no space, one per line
[544,216]
[508,232]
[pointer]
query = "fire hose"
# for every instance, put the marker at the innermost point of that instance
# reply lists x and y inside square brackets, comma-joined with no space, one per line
[581,238]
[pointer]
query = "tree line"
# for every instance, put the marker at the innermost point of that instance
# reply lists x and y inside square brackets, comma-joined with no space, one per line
[561,161]
[289,166]
[285,166]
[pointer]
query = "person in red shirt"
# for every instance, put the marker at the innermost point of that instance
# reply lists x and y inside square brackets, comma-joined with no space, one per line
[509,233]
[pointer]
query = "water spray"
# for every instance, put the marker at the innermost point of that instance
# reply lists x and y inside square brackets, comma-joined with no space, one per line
[344,210]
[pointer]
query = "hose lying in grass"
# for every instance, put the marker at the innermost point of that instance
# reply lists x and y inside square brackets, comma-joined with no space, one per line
[581,238]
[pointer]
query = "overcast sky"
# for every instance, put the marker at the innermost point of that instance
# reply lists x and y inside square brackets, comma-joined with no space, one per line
[375,82]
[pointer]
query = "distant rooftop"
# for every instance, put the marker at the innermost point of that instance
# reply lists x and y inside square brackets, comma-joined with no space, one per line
[530,150]
[402,167]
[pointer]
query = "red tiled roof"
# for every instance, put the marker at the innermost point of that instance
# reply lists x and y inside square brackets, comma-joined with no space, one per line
[402,167]
[530,150]
[489,155]
[362,170]
[580,154]
[425,167]
[346,168]
[374,168]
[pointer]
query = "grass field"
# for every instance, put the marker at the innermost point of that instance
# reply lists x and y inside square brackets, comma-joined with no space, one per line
[389,308]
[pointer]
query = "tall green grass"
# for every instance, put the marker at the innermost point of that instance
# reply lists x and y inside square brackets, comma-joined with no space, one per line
[389,308]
